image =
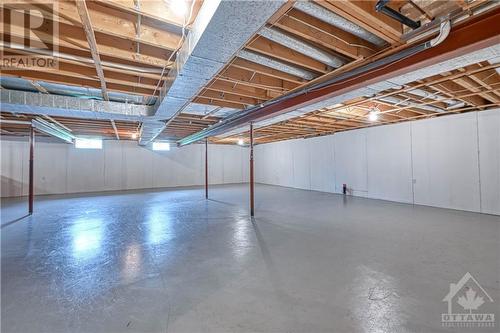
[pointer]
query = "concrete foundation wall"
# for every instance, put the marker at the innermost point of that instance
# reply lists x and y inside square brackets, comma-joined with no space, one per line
[121,165]
[451,162]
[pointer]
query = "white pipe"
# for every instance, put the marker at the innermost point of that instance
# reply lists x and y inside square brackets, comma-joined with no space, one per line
[80,59]
[15,122]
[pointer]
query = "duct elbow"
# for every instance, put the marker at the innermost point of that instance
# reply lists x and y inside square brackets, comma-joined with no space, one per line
[444,31]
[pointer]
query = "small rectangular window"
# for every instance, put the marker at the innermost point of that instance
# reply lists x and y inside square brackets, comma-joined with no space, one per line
[88,143]
[161,146]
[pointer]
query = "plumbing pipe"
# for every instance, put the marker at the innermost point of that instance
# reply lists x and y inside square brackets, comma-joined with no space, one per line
[80,59]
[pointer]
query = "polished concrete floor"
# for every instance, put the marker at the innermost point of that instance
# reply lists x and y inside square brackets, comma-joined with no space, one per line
[170,261]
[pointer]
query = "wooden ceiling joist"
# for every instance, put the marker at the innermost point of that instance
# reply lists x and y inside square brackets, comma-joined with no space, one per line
[321,33]
[89,32]
[269,48]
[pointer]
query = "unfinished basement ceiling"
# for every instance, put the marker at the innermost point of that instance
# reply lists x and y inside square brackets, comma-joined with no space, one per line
[317,39]
[136,41]
[302,43]
[470,88]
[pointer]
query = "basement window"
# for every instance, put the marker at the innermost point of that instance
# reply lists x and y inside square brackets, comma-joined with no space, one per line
[88,143]
[161,146]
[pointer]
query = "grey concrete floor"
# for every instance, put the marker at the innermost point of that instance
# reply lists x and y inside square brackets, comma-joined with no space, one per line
[170,261]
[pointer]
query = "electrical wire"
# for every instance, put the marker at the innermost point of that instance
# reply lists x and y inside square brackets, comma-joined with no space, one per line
[178,47]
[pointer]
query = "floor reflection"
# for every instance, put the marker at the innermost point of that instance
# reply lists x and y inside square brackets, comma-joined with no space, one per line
[87,238]
[132,262]
[159,226]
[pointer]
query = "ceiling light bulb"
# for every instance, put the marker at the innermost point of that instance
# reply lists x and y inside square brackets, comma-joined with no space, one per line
[178,7]
[240,142]
[134,136]
[373,116]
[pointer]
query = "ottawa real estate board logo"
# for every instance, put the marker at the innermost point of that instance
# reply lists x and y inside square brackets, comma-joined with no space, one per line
[29,35]
[467,301]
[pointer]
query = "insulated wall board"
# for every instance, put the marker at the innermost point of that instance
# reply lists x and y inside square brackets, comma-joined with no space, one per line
[14,168]
[322,163]
[389,162]
[120,165]
[85,171]
[51,173]
[430,162]
[301,163]
[489,160]
[445,162]
[350,162]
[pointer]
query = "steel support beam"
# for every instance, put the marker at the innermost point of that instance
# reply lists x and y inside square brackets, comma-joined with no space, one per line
[206,168]
[479,32]
[252,208]
[31,171]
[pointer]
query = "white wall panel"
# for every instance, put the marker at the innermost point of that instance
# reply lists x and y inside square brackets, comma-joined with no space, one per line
[282,171]
[489,160]
[51,173]
[215,164]
[301,163]
[14,165]
[441,154]
[232,164]
[322,169]
[389,162]
[245,163]
[350,162]
[445,162]
[60,168]
[85,171]
[113,165]
[137,167]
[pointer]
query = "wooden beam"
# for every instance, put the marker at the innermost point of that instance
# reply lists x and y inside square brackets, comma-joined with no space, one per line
[238,89]
[363,14]
[275,50]
[452,89]
[87,25]
[115,129]
[38,87]
[224,104]
[319,32]
[228,97]
[474,86]
[77,66]
[258,68]
[75,81]
[105,20]
[77,71]
[154,10]
[257,79]
[72,40]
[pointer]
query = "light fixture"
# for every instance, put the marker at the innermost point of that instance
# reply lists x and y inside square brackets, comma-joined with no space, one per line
[373,115]
[134,136]
[178,7]
[161,146]
[241,142]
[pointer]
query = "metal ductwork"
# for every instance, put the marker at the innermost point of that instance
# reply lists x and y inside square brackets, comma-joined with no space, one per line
[14,83]
[221,29]
[275,64]
[52,130]
[327,16]
[414,63]
[64,106]
[302,47]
